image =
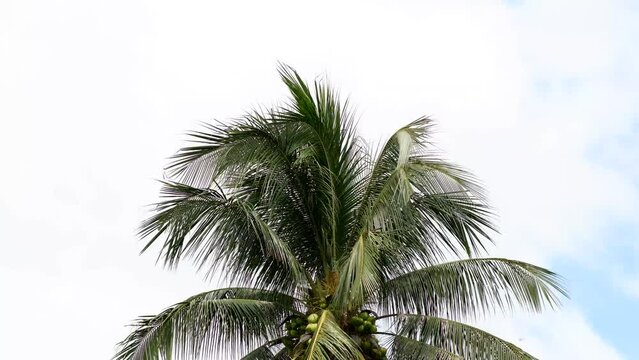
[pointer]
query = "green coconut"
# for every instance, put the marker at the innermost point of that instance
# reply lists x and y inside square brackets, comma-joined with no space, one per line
[311,328]
[366,345]
[367,327]
[313,318]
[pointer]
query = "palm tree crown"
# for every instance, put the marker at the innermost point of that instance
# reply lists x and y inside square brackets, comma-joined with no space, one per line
[333,251]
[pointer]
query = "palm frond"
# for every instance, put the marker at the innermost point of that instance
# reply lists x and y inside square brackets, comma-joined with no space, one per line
[220,231]
[225,321]
[405,348]
[265,352]
[329,342]
[261,353]
[283,354]
[470,288]
[195,165]
[464,340]
[360,274]
[261,160]
[453,203]
[406,172]
[337,150]
[386,170]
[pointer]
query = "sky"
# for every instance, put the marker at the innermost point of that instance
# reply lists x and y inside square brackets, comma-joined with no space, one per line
[537,98]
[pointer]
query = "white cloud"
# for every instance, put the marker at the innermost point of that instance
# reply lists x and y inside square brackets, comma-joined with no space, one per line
[626,274]
[98,94]
[630,285]
[554,335]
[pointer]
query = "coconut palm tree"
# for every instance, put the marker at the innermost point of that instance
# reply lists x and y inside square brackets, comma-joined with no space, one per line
[332,251]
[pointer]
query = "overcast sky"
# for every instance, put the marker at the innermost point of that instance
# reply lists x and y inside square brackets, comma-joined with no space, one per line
[538,98]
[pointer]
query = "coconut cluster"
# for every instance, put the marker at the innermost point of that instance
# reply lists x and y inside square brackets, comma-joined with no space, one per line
[296,327]
[361,327]
[364,323]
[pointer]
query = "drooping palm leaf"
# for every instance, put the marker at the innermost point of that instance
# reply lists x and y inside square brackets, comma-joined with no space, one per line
[268,351]
[464,340]
[218,231]
[437,204]
[470,288]
[405,348]
[225,321]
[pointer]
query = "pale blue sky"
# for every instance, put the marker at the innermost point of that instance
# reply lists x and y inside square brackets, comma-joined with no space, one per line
[605,283]
[538,98]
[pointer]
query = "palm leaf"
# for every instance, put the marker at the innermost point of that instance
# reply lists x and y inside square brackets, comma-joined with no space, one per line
[337,150]
[466,341]
[265,352]
[218,231]
[405,348]
[360,274]
[261,353]
[436,205]
[258,159]
[452,203]
[330,342]
[471,287]
[225,321]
